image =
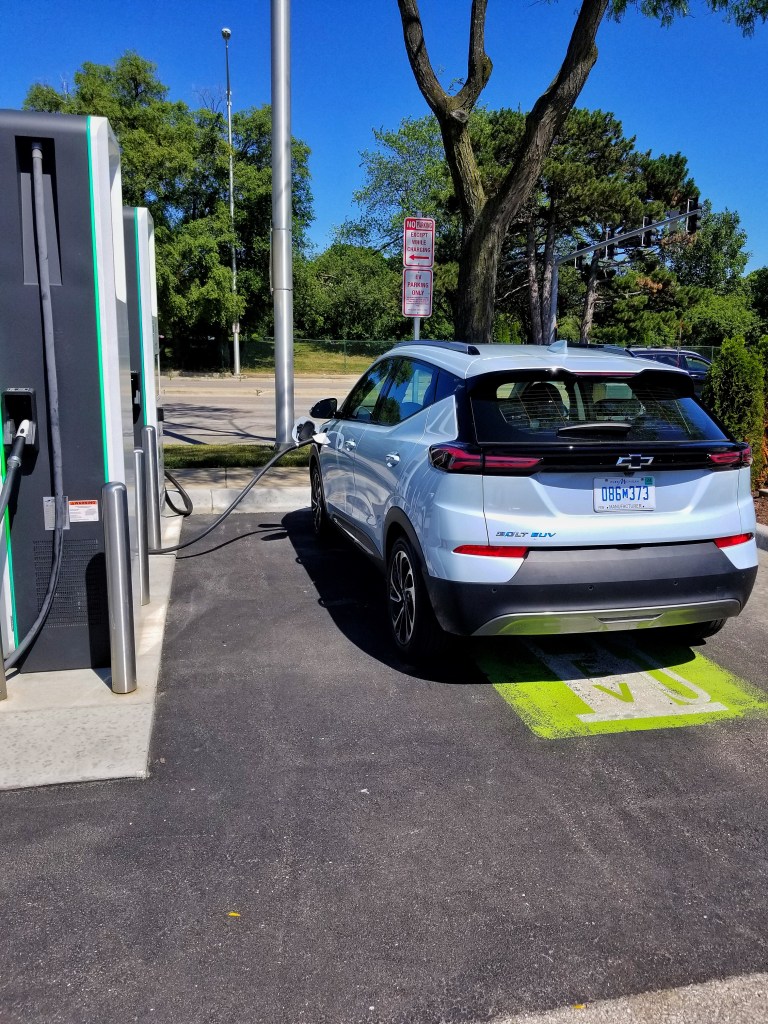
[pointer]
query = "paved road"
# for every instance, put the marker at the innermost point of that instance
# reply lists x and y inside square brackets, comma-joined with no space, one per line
[221,410]
[327,839]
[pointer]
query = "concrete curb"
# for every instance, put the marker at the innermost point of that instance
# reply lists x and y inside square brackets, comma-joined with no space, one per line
[207,500]
[762,537]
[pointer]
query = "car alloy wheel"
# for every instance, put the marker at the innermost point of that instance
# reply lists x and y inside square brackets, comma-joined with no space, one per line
[415,629]
[319,513]
[402,597]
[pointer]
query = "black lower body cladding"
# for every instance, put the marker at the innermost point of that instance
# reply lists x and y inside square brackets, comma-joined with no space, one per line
[581,582]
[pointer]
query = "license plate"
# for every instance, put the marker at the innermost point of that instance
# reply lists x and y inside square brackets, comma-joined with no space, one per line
[624,494]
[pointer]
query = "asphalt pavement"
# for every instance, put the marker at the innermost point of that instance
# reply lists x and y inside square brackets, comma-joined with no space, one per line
[326,838]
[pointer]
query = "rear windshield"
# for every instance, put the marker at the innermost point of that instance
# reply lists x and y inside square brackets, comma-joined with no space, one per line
[647,406]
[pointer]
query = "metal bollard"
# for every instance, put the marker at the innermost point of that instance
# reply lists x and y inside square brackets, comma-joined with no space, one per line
[3,688]
[141,524]
[149,444]
[117,548]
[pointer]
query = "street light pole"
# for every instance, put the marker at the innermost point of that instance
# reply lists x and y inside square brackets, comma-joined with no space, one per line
[226,33]
[282,221]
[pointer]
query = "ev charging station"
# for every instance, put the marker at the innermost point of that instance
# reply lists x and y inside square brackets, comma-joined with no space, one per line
[65,367]
[144,346]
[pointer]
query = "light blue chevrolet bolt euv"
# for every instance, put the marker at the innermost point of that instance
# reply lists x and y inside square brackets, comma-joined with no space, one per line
[525,490]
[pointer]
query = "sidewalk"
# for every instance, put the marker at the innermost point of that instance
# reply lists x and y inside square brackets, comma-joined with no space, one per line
[68,726]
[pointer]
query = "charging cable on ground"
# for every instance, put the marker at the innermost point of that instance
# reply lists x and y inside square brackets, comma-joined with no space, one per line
[304,434]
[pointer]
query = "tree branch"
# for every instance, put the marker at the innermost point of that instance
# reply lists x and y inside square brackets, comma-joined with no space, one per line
[452,112]
[550,111]
[418,57]
[479,65]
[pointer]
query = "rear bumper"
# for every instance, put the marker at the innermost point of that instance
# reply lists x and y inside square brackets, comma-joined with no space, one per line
[592,590]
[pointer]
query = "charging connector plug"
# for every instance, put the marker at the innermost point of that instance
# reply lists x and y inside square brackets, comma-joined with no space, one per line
[20,441]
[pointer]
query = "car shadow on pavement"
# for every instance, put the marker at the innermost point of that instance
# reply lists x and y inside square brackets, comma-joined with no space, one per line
[351,590]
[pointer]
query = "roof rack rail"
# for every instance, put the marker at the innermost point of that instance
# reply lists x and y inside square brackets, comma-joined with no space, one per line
[456,346]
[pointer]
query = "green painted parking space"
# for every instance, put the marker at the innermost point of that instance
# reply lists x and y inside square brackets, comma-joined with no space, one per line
[563,688]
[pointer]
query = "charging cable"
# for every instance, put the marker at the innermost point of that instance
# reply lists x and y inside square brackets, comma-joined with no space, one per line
[304,434]
[49,346]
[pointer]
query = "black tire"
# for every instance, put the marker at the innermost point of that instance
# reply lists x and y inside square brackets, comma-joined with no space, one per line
[697,632]
[415,630]
[321,524]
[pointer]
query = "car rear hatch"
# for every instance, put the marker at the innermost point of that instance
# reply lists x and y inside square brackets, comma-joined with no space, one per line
[601,459]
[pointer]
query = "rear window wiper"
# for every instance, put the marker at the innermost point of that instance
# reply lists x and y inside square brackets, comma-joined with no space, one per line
[609,427]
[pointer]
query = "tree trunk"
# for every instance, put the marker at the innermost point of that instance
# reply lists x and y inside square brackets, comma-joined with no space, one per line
[476,293]
[485,219]
[534,297]
[546,277]
[590,299]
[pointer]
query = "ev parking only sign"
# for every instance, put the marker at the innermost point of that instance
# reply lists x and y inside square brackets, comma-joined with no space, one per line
[417,292]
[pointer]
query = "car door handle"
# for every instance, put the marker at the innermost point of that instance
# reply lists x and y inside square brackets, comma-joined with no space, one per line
[350,445]
[392,458]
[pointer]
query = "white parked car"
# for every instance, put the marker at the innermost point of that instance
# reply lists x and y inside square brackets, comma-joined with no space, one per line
[527,490]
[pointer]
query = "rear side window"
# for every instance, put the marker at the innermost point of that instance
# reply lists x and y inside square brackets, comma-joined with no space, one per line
[411,389]
[648,406]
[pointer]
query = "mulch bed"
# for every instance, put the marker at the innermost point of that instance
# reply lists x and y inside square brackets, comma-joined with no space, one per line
[761,508]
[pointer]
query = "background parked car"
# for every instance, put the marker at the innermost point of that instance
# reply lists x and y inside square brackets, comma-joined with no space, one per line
[697,366]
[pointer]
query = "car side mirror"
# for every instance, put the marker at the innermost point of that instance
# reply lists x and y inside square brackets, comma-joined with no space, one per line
[324,409]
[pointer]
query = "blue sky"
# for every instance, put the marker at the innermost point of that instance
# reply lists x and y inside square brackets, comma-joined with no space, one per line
[699,87]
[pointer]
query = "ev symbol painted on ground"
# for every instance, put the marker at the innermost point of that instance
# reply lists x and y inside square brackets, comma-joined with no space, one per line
[563,688]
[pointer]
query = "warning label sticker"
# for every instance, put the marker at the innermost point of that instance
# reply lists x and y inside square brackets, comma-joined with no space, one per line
[84,511]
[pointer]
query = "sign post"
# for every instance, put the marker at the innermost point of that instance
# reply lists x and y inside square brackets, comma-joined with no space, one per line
[418,260]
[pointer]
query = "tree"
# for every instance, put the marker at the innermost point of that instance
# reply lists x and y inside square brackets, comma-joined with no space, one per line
[486,215]
[715,317]
[734,390]
[757,289]
[593,178]
[175,161]
[712,258]
[406,174]
[356,294]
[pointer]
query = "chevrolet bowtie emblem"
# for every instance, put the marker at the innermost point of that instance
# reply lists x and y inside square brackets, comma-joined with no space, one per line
[634,461]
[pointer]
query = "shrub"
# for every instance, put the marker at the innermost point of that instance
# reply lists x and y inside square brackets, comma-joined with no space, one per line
[734,390]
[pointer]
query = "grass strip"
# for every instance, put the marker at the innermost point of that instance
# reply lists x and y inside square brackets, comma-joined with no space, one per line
[227,456]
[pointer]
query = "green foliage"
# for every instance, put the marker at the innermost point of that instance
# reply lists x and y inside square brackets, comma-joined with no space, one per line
[735,391]
[175,161]
[712,258]
[715,317]
[356,294]
[405,175]
[757,289]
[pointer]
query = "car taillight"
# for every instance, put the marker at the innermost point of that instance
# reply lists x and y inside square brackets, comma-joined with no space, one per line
[491,550]
[454,458]
[510,463]
[738,458]
[738,538]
